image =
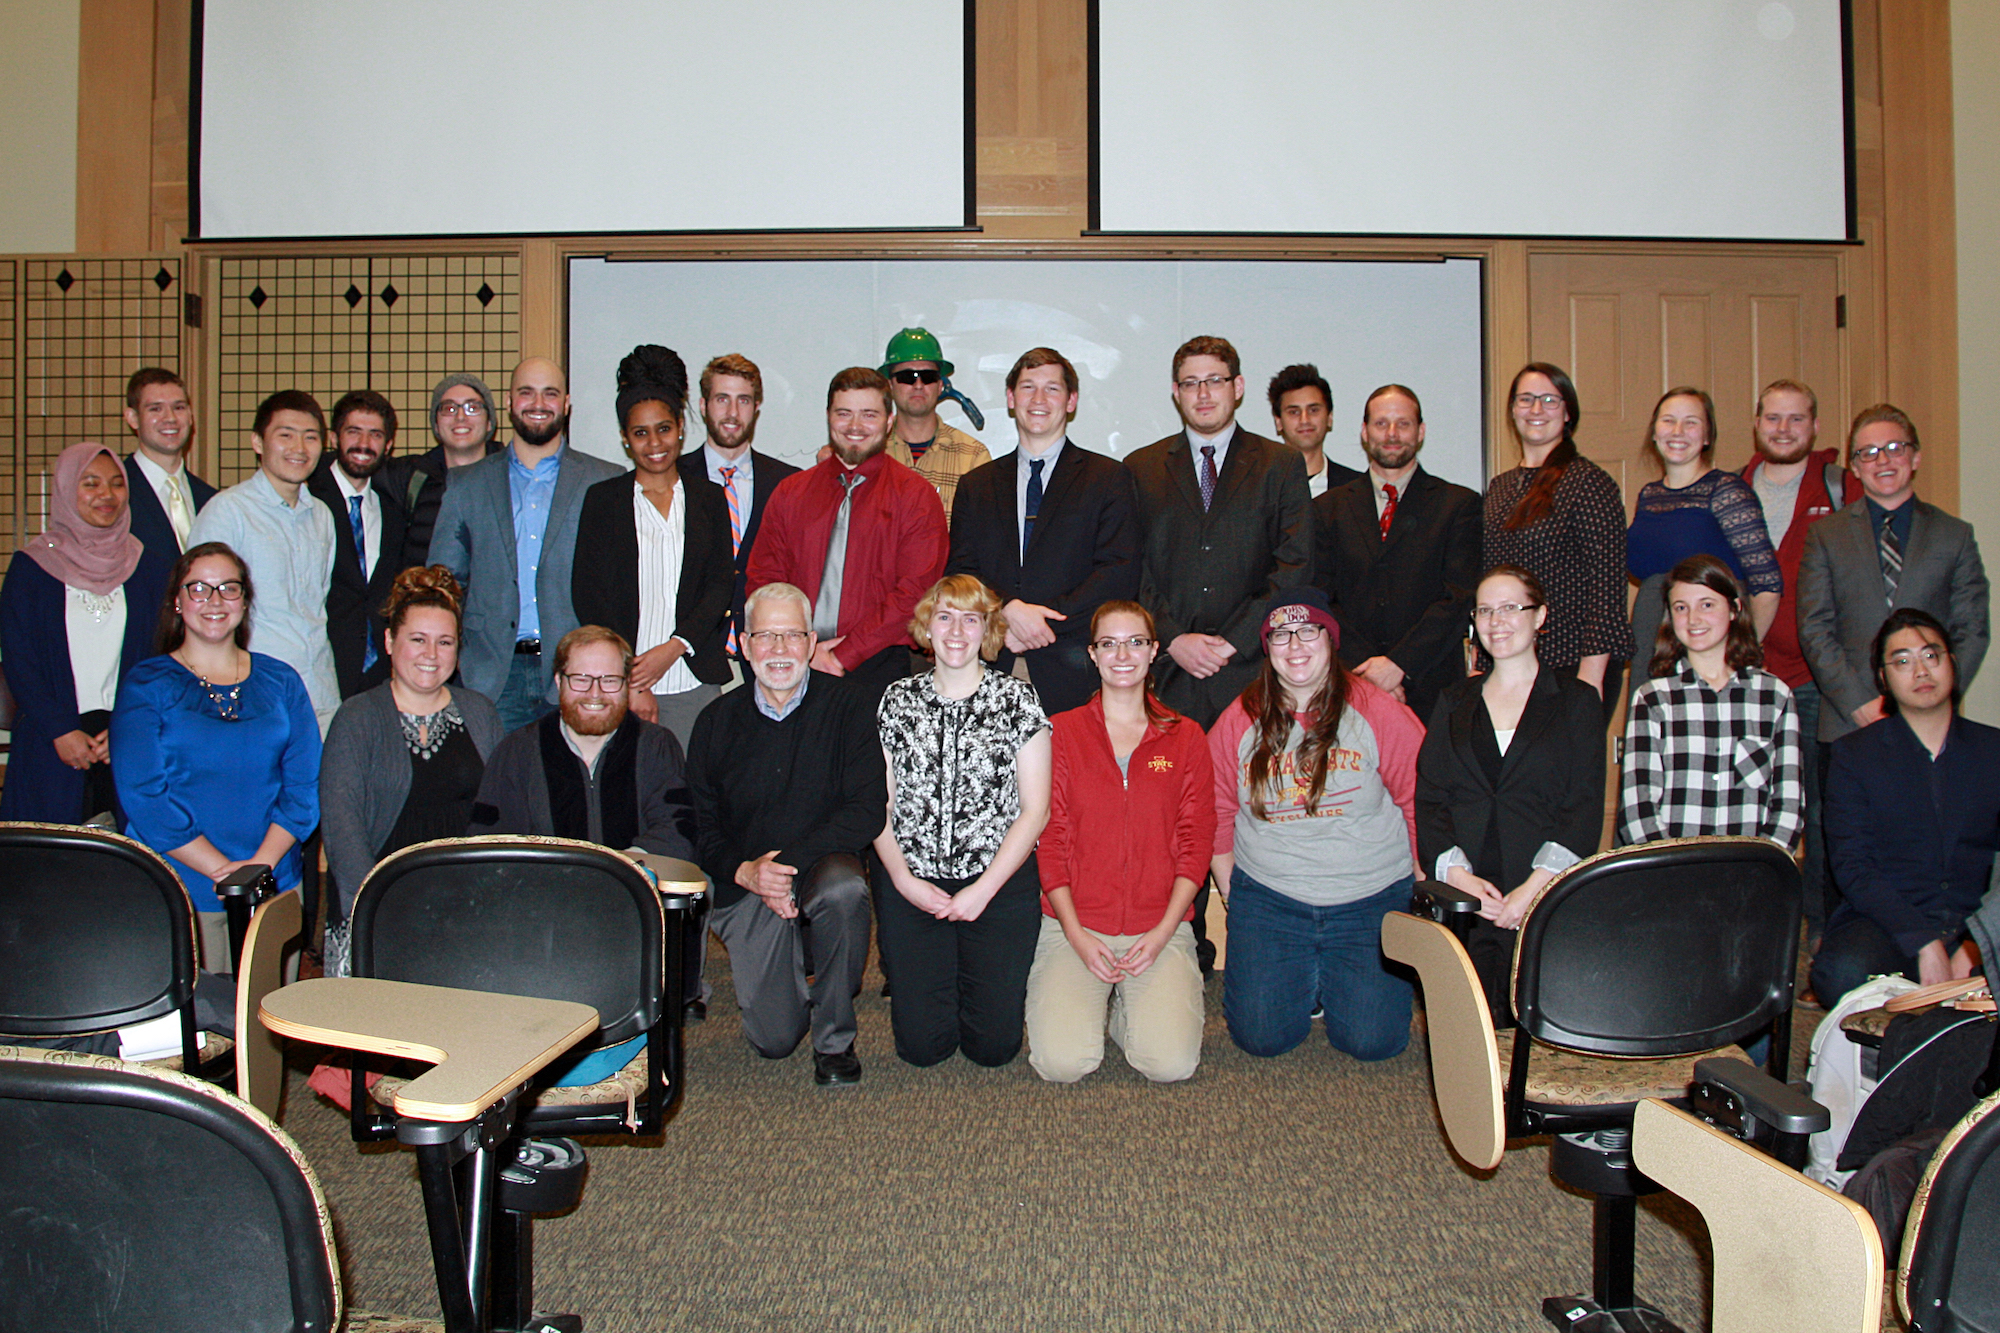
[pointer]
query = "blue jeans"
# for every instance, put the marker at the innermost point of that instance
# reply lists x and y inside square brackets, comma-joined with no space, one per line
[524,698]
[1287,957]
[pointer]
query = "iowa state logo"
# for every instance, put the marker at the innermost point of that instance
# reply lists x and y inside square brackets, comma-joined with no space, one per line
[1159,763]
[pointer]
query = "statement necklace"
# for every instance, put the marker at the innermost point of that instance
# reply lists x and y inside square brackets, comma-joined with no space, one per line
[228,699]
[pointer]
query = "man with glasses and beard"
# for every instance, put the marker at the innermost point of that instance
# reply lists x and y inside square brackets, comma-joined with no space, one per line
[369,523]
[787,780]
[507,529]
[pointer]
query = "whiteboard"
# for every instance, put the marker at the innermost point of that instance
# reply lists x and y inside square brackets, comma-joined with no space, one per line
[1364,323]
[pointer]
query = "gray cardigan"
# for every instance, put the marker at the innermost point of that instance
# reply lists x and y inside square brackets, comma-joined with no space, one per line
[364,778]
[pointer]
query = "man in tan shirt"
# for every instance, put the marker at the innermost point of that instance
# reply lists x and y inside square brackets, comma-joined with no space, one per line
[916,369]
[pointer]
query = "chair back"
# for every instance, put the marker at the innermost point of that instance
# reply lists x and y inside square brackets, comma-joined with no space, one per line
[96,933]
[1608,952]
[546,917]
[1950,1282]
[146,1200]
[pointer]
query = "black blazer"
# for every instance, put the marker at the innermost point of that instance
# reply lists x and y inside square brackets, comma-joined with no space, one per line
[767,472]
[149,517]
[1215,572]
[1406,598]
[354,603]
[1083,552]
[604,578]
[1551,780]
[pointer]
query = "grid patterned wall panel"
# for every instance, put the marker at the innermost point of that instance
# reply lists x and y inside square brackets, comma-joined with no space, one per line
[10,440]
[87,325]
[394,323]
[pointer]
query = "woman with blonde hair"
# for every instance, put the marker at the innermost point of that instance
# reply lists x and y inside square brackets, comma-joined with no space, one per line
[968,757]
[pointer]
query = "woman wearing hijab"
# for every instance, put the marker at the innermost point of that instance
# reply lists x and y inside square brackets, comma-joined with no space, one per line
[77,612]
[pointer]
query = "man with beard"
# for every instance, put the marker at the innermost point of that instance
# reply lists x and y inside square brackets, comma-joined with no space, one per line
[1302,411]
[863,535]
[507,529]
[915,367]
[369,523]
[788,787]
[166,494]
[1798,485]
[1397,553]
[464,423]
[732,392]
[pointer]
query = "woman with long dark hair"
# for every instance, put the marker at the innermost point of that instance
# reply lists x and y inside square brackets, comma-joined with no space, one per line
[1559,516]
[1712,739]
[1131,827]
[1315,828]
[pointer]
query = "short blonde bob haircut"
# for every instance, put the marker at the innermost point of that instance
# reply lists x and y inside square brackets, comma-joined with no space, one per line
[961,592]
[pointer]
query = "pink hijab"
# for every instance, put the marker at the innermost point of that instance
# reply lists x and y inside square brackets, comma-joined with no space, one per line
[72,551]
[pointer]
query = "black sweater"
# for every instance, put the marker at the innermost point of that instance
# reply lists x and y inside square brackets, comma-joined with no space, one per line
[805,787]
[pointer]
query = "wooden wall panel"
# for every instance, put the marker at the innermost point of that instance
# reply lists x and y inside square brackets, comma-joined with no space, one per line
[1687,355]
[1777,339]
[1031,126]
[114,127]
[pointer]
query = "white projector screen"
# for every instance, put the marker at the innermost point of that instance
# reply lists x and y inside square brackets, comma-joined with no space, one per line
[324,118]
[1695,119]
[1364,323]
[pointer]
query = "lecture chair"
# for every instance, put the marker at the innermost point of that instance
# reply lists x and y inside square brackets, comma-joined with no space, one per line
[1636,974]
[1948,1279]
[550,918]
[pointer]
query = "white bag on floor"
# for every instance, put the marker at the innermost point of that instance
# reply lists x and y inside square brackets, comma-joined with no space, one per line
[1835,1074]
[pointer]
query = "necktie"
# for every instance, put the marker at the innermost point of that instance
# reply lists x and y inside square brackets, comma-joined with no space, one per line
[179,513]
[368,653]
[1207,476]
[1034,507]
[1892,559]
[1388,507]
[826,607]
[735,531]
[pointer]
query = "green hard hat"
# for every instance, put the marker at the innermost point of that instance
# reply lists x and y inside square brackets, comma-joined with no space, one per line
[914,345]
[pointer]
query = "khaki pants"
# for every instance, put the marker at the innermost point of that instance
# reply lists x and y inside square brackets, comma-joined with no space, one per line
[1156,1017]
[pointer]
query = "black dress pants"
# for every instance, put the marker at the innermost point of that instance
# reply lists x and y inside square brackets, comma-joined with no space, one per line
[961,985]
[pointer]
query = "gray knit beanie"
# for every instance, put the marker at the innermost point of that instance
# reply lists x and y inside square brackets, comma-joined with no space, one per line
[478,386]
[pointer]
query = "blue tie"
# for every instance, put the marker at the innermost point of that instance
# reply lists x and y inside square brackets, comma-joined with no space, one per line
[368,654]
[1034,501]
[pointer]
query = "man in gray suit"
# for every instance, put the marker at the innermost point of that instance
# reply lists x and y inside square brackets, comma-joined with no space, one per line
[1868,559]
[508,529]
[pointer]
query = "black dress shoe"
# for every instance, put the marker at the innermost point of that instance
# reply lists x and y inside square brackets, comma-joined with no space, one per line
[836,1070]
[694,1011]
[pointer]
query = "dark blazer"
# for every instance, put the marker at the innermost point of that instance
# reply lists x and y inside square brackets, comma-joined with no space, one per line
[604,580]
[34,649]
[1215,572]
[1083,552]
[1406,598]
[354,602]
[1551,780]
[766,472]
[149,517]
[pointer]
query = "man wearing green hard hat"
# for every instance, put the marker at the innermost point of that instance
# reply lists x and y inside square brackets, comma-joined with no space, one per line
[919,377]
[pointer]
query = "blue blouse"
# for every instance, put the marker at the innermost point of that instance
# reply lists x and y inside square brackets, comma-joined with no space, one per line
[184,771]
[1716,514]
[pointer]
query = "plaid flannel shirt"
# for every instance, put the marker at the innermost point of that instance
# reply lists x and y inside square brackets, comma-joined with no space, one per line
[1701,761]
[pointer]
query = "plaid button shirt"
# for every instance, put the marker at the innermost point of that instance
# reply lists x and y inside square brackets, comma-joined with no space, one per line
[1701,761]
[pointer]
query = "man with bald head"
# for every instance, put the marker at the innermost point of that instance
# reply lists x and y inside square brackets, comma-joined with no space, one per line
[507,529]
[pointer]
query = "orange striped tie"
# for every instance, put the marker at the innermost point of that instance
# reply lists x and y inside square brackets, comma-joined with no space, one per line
[735,529]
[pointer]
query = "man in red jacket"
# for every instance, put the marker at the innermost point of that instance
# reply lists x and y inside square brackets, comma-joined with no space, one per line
[1798,485]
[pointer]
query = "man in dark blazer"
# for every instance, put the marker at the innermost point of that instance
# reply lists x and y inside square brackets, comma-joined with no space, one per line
[369,525]
[517,573]
[1397,552]
[1852,576]
[1049,527]
[161,419]
[1224,523]
[732,391]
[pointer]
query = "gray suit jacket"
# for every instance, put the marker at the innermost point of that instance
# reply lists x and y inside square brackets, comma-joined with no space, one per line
[474,538]
[1843,601]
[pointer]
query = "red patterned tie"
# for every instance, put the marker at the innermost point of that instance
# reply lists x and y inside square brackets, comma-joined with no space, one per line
[735,528]
[1388,508]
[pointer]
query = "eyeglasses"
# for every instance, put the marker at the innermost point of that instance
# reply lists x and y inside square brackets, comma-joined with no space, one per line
[1528,402]
[581,684]
[1868,453]
[1504,611]
[1306,634]
[777,638]
[229,590]
[1930,655]
[451,407]
[1192,385]
[1133,644]
[917,376]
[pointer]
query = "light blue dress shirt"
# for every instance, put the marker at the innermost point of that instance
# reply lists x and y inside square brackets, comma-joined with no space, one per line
[532,490]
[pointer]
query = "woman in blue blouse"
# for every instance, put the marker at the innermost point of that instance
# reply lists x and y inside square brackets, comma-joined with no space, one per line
[1696,508]
[215,748]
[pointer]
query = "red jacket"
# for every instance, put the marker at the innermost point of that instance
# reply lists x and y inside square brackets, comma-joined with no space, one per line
[1119,841]
[896,546]
[1782,657]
